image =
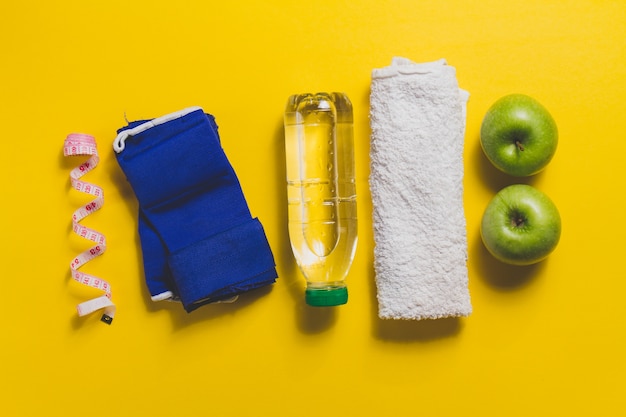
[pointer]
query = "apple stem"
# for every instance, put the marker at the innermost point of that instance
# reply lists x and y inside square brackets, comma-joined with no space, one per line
[519,145]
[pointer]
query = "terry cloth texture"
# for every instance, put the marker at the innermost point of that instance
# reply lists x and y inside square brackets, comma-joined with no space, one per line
[417,118]
[198,239]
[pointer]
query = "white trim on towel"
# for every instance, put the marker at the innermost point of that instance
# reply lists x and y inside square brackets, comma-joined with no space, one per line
[120,141]
[167,295]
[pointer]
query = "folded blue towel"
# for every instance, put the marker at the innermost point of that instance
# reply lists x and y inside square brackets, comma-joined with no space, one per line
[199,241]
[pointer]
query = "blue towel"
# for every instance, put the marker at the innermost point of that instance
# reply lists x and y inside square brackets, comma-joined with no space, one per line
[199,241]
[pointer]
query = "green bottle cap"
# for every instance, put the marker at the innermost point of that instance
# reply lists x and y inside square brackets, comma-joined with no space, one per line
[326,297]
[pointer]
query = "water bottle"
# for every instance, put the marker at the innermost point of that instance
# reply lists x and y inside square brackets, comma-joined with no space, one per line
[321,193]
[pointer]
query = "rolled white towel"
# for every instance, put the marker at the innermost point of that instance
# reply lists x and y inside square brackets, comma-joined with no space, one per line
[417,117]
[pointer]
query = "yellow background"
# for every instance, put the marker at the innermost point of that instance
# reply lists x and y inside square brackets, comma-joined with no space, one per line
[544,340]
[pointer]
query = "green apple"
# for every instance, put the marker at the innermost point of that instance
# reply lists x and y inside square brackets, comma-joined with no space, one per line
[518,135]
[521,225]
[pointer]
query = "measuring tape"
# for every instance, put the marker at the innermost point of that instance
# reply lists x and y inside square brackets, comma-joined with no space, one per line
[82,144]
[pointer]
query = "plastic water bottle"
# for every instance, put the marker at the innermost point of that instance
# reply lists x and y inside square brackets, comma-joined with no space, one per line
[321,192]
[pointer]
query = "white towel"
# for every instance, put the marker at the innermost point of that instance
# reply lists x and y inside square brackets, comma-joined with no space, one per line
[417,117]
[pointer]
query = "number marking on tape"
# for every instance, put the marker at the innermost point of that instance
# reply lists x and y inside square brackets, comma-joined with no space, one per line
[77,144]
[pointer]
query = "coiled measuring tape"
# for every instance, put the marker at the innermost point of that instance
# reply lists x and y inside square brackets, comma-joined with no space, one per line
[82,144]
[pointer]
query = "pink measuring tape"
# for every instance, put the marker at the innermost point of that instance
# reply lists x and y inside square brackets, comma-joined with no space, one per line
[82,144]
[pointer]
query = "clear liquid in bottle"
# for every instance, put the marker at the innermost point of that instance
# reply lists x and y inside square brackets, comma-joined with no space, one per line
[321,192]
